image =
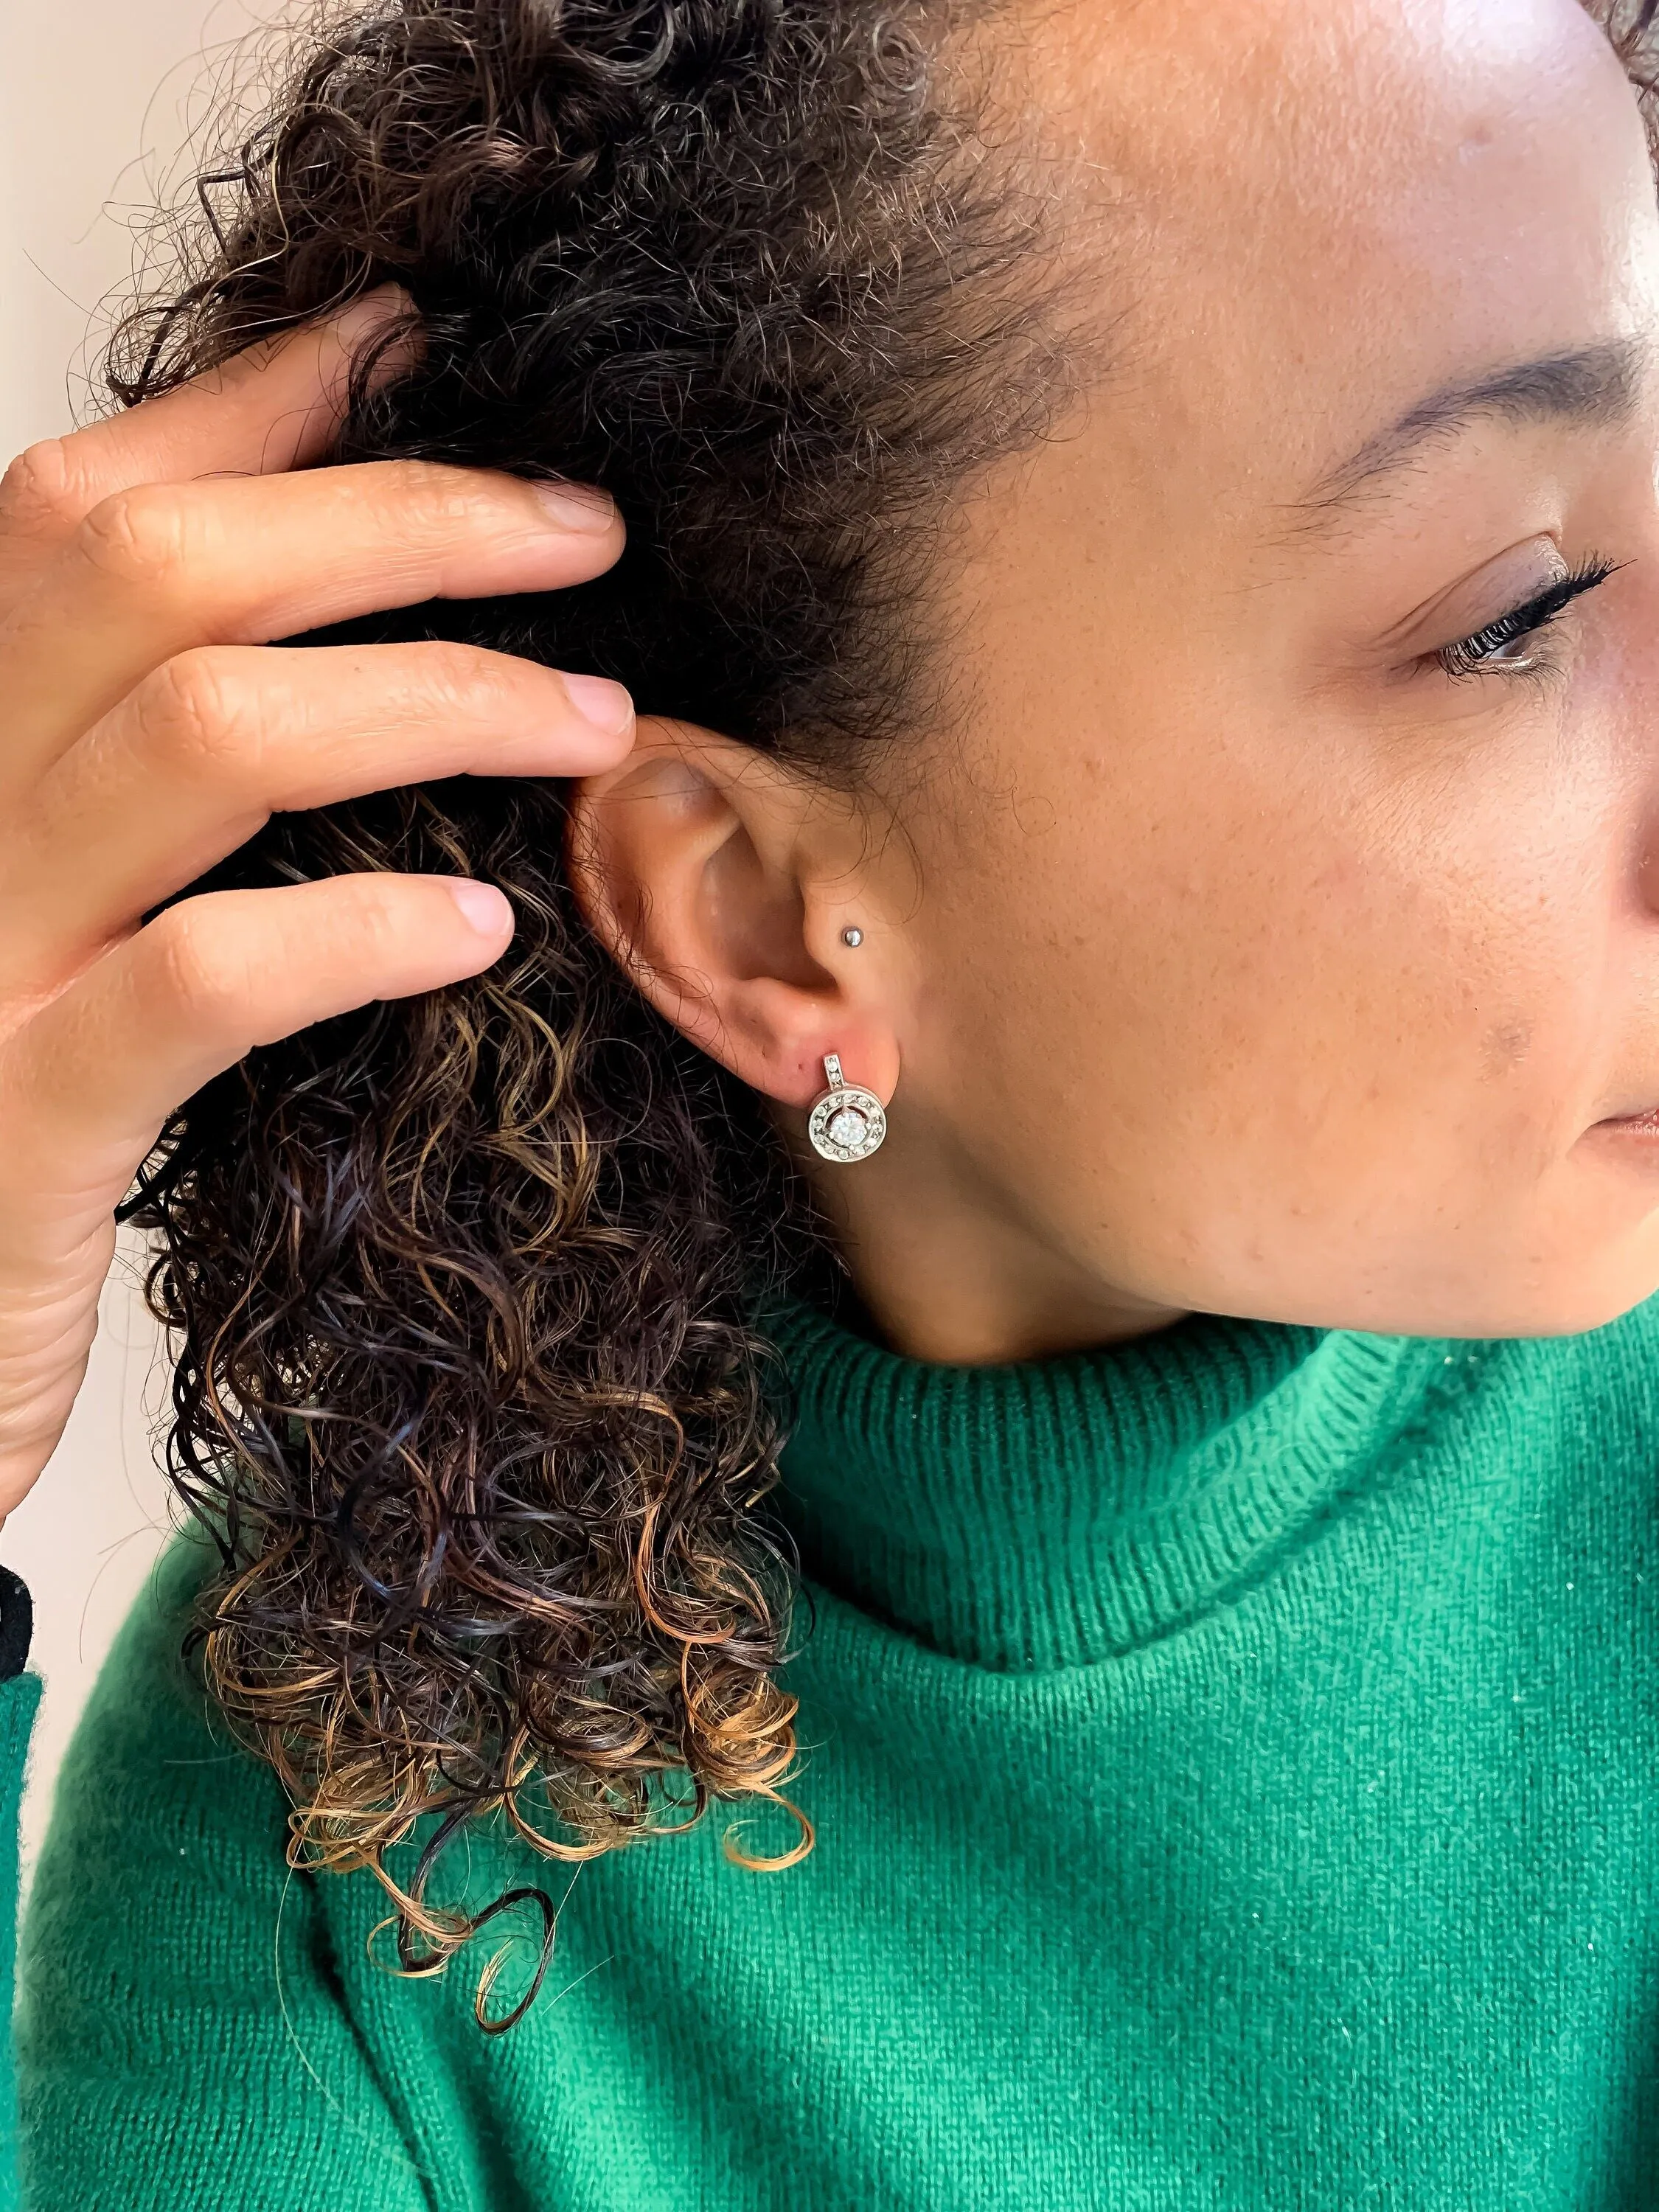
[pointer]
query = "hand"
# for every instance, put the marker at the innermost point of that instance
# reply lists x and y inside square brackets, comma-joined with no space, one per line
[146,729]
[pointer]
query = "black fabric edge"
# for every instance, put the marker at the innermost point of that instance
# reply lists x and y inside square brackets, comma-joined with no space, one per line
[16,1624]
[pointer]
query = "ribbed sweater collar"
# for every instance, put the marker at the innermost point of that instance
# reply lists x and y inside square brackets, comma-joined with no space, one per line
[1058,1512]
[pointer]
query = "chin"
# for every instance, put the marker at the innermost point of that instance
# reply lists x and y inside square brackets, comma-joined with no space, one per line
[1579,1251]
[1563,1299]
[1513,1287]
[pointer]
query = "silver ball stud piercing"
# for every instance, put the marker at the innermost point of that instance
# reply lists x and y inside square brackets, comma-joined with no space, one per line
[846,1123]
[852,936]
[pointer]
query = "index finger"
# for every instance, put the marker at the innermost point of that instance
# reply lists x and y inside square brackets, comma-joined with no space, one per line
[272,408]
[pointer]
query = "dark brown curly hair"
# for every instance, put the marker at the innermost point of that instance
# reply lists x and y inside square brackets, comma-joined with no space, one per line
[473,1394]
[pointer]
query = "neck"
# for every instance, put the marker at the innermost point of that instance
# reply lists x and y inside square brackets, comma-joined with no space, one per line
[948,1272]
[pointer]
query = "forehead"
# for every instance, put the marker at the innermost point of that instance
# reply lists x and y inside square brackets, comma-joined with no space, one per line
[1351,204]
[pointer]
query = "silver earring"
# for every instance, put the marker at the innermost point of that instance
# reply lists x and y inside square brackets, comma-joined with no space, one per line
[846,1123]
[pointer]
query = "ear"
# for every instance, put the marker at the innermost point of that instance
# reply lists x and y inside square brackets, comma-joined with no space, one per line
[722,881]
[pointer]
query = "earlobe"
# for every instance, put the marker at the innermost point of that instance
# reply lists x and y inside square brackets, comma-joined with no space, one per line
[730,890]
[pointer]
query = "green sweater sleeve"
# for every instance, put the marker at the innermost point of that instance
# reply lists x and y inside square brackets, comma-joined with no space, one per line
[19,1696]
[182,2036]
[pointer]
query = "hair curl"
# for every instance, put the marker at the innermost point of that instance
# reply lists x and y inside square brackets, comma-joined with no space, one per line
[470,1393]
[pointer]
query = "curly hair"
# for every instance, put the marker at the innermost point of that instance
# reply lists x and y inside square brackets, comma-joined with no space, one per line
[470,1391]
[473,1393]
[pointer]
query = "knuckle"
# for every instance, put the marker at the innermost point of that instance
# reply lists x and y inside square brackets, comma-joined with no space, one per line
[140,537]
[421,502]
[196,970]
[372,916]
[193,712]
[455,677]
[437,484]
[39,489]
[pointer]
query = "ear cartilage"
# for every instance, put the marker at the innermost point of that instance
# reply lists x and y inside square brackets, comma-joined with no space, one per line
[846,1123]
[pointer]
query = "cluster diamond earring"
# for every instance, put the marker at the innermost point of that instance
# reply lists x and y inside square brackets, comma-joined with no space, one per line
[846,1123]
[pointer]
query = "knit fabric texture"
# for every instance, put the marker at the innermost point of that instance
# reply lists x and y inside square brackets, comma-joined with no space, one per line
[1233,1758]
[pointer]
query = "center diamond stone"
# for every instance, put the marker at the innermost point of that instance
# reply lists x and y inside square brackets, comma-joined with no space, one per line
[847,1128]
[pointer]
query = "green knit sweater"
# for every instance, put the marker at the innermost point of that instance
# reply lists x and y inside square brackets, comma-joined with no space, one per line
[1234,1761]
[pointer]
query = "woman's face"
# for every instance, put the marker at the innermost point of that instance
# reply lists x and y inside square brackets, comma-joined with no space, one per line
[1270,949]
[1269,967]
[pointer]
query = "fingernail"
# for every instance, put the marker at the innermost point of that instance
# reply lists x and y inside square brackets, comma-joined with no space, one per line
[577,506]
[608,706]
[485,909]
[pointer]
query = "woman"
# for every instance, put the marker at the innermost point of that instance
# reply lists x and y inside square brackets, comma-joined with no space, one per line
[1105,1006]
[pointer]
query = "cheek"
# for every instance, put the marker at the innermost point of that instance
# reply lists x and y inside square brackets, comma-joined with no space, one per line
[1395,1023]
[1208,1008]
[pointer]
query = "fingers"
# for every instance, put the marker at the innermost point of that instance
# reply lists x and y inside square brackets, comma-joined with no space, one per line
[154,571]
[89,1083]
[190,764]
[44,1344]
[272,408]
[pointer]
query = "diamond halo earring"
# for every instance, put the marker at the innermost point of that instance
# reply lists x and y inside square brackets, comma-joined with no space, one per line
[846,1123]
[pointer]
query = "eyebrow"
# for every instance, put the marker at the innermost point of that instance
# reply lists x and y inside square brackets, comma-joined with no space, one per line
[1595,387]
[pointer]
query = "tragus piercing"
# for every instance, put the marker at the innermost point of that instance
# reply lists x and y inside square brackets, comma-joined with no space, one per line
[846,1123]
[852,936]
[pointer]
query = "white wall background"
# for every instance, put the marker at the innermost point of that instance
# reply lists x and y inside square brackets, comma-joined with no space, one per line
[97,99]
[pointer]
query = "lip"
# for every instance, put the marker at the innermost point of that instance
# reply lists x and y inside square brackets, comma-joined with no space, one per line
[1644,1124]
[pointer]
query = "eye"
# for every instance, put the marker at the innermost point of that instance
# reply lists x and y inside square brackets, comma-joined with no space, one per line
[1509,645]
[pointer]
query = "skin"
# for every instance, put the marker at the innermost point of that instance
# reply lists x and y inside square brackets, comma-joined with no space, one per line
[1227,953]
[149,730]
[1221,951]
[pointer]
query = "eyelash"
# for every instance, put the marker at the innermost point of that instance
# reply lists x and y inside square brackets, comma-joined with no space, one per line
[1474,655]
